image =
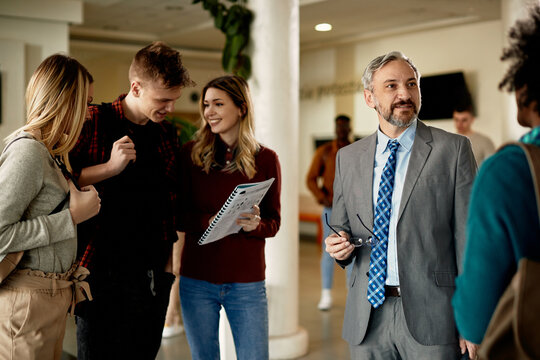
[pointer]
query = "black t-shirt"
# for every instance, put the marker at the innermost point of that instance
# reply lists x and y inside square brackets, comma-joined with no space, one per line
[127,230]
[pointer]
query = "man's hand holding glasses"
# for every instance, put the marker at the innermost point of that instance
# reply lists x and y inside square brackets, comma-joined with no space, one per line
[338,245]
[341,245]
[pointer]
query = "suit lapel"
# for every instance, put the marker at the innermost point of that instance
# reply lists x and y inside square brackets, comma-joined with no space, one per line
[419,155]
[365,176]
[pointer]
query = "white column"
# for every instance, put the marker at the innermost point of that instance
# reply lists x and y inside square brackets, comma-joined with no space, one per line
[511,11]
[227,350]
[274,86]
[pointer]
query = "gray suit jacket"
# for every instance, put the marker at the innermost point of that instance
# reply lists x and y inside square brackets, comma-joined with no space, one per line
[430,230]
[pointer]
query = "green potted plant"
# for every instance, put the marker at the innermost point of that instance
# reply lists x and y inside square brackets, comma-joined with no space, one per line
[235,23]
[184,128]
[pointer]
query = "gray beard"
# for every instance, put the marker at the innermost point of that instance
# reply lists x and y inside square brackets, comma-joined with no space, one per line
[393,121]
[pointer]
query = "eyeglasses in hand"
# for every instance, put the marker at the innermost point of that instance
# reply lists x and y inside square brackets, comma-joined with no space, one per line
[356,241]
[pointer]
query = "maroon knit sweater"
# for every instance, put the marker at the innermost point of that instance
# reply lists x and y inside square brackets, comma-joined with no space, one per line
[237,257]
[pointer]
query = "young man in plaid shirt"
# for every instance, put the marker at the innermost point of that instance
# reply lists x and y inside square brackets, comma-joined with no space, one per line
[130,154]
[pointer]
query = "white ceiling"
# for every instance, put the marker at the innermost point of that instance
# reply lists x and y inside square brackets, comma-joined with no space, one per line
[189,27]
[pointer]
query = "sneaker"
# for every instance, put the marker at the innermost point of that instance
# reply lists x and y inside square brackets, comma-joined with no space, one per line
[326,301]
[172,330]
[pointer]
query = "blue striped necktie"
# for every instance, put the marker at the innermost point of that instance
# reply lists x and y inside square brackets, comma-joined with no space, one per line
[383,210]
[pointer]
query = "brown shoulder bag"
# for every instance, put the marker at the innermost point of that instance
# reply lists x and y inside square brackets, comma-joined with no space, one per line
[512,332]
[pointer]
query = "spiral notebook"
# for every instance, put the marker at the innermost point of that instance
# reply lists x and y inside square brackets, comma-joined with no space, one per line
[241,200]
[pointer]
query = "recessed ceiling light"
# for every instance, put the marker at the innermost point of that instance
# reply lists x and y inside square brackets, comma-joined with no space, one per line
[323,27]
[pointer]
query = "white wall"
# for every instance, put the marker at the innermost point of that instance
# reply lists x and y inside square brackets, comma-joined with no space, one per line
[13,81]
[316,114]
[474,49]
[38,40]
[30,31]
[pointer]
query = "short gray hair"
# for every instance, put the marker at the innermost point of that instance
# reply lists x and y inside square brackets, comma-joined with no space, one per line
[382,60]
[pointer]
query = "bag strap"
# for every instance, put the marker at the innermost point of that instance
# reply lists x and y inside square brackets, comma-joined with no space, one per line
[532,153]
[60,206]
[66,173]
[19,138]
[64,170]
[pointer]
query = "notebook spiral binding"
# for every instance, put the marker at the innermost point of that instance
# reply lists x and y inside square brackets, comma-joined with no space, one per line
[218,216]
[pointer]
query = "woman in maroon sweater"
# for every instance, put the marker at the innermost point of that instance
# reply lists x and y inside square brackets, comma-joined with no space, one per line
[230,272]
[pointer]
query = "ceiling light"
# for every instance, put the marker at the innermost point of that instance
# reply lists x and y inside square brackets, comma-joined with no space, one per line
[323,27]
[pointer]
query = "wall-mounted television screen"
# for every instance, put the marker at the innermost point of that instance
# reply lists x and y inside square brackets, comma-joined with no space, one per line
[441,93]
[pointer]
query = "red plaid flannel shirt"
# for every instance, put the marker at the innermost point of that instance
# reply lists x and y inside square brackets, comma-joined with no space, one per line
[93,148]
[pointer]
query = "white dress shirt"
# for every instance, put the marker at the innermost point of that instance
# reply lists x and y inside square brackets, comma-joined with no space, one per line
[406,140]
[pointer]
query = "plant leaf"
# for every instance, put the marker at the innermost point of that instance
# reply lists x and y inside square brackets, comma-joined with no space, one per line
[225,58]
[244,68]
[220,18]
[238,42]
[235,23]
[233,60]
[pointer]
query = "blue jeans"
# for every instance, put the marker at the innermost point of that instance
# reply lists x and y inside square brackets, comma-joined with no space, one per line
[328,263]
[246,307]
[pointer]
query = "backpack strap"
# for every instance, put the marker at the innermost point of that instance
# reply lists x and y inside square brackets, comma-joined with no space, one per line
[532,153]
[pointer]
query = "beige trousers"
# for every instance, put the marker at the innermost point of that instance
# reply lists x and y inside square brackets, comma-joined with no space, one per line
[33,311]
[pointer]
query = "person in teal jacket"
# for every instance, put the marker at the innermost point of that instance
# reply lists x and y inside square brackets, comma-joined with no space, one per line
[503,222]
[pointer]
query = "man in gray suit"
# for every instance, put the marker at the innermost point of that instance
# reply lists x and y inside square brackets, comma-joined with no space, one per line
[412,195]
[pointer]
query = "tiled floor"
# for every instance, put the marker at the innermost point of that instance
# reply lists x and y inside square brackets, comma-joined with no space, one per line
[324,327]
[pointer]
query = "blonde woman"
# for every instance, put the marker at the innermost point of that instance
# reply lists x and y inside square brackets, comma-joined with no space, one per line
[228,273]
[37,217]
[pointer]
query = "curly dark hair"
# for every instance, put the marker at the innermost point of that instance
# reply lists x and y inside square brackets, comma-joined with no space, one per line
[524,53]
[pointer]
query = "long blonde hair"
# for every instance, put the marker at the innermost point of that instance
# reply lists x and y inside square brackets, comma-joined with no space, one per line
[203,153]
[56,104]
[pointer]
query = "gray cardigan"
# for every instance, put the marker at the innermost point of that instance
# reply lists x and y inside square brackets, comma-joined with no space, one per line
[31,187]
